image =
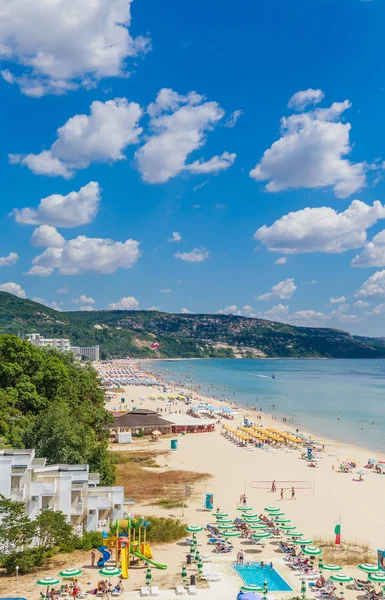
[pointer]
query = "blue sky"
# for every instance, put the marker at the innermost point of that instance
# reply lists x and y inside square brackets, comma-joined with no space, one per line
[199,144]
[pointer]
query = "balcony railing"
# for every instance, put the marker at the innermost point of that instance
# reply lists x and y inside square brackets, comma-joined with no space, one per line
[18,494]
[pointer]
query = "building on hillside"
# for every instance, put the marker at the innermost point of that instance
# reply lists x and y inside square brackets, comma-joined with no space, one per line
[91,352]
[69,488]
[62,344]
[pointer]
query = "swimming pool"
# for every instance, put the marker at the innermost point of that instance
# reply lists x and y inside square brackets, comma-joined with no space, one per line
[254,574]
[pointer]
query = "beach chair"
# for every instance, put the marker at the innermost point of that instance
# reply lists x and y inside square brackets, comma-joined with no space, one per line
[154,590]
[205,558]
[179,590]
[212,577]
[144,592]
[192,590]
[115,593]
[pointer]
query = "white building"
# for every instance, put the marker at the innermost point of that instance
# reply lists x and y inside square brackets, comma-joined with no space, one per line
[69,488]
[38,340]
[91,352]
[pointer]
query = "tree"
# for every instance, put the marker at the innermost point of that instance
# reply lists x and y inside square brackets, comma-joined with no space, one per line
[51,529]
[16,529]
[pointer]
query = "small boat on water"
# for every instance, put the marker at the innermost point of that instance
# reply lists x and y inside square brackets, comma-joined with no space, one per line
[274,376]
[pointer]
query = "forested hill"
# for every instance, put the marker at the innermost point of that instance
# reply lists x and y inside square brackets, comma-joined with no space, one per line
[121,333]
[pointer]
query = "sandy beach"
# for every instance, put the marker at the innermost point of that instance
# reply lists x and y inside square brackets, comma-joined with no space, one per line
[329,496]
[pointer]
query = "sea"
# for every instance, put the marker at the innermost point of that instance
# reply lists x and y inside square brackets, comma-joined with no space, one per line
[340,399]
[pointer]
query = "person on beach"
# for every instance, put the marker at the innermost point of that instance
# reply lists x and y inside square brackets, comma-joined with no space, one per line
[93,557]
[241,558]
[244,500]
[281,497]
[293,493]
[273,487]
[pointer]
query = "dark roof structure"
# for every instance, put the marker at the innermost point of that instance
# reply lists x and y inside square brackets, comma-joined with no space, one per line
[141,419]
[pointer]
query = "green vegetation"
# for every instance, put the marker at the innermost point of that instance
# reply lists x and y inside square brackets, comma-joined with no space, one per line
[48,401]
[349,553]
[166,503]
[119,333]
[163,530]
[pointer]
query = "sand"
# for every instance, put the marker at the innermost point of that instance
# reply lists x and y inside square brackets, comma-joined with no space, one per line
[330,496]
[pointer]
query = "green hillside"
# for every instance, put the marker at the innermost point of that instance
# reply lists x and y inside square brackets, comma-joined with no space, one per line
[120,333]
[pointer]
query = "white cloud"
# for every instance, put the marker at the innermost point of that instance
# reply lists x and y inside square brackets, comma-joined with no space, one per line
[179,125]
[77,208]
[214,165]
[99,137]
[13,288]
[339,300]
[281,261]
[308,318]
[373,254]
[284,290]
[176,237]
[374,287]
[379,309]
[247,309]
[53,305]
[196,255]
[304,98]
[47,236]
[63,45]
[38,271]
[311,153]
[87,255]
[229,310]
[321,229]
[83,300]
[11,259]
[86,308]
[125,303]
[166,291]
[361,304]
[233,118]
[185,311]
[279,311]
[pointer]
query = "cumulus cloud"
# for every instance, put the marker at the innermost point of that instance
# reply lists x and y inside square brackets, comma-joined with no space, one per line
[63,45]
[86,308]
[125,303]
[281,261]
[311,153]
[8,261]
[232,119]
[373,253]
[179,125]
[195,256]
[321,229]
[63,290]
[99,137]
[13,288]
[277,312]
[304,98]
[47,236]
[339,300]
[83,300]
[77,208]
[374,287]
[87,255]
[185,311]
[176,237]
[229,310]
[53,305]
[361,304]
[284,290]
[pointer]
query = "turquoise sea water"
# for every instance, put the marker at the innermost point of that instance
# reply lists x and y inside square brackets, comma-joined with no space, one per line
[339,399]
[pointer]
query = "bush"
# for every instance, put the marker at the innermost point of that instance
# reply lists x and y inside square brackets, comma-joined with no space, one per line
[164,530]
[89,540]
[27,562]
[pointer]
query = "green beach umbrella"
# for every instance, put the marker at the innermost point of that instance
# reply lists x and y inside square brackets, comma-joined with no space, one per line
[224,526]
[224,520]
[369,568]
[148,575]
[312,550]
[288,527]
[340,578]
[303,542]
[262,534]
[260,527]
[71,573]
[252,520]
[219,515]
[194,528]
[110,571]
[232,534]
[244,508]
[184,574]
[331,567]
[272,509]
[48,581]
[294,534]
[251,588]
[283,521]
[250,515]
[278,514]
[377,577]
[303,590]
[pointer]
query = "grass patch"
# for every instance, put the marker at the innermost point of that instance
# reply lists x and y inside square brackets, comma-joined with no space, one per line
[350,553]
[169,503]
[163,530]
[147,486]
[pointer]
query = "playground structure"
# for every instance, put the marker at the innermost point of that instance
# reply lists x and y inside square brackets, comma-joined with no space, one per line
[129,541]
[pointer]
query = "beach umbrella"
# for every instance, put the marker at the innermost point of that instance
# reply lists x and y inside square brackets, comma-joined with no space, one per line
[303,590]
[232,534]
[70,573]
[244,508]
[340,578]
[219,515]
[262,534]
[288,527]
[377,577]
[369,568]
[252,587]
[184,574]
[331,567]
[48,582]
[224,527]
[312,550]
[223,520]
[110,571]
[250,515]
[148,576]
[194,528]
[277,514]
[303,542]
[294,534]
[252,520]
[272,509]
[283,521]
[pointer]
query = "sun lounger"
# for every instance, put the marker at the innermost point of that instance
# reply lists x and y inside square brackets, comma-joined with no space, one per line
[212,577]
[179,590]
[206,558]
[154,590]
[115,593]
[192,590]
[144,592]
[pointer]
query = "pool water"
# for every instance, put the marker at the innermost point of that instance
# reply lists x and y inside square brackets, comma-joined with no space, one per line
[254,574]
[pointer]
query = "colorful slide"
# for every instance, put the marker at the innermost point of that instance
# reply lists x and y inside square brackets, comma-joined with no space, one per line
[124,561]
[142,557]
[105,556]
